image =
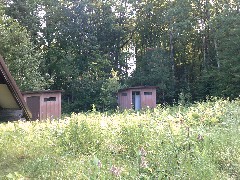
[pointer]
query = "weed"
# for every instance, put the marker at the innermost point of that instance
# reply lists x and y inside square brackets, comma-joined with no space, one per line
[198,141]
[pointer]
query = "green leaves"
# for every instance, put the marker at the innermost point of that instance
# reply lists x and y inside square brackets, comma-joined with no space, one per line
[109,91]
[181,46]
[200,141]
[20,55]
[228,54]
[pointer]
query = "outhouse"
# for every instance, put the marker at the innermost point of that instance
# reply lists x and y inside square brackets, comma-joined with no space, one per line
[139,97]
[12,104]
[44,104]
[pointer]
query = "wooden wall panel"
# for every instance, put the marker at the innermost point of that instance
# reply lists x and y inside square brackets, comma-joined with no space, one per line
[50,104]
[147,100]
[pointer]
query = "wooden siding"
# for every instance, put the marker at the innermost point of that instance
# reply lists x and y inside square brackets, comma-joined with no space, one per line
[33,103]
[49,104]
[148,100]
[125,101]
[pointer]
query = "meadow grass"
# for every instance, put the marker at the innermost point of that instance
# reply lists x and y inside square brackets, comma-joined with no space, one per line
[201,141]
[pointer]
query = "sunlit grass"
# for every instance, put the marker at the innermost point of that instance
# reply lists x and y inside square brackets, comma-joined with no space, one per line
[201,141]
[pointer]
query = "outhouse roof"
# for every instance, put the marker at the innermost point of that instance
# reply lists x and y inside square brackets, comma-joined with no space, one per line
[139,87]
[42,92]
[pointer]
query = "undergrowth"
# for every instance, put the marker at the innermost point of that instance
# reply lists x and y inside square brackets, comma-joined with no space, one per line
[201,141]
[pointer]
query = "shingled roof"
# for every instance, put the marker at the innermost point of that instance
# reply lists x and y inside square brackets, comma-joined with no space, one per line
[10,95]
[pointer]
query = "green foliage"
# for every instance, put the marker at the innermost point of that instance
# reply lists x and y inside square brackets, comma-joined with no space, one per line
[20,55]
[108,95]
[200,141]
[27,14]
[184,98]
[180,46]
[227,75]
[80,137]
[155,70]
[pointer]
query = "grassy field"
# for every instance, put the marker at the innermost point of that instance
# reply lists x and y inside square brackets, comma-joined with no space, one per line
[201,141]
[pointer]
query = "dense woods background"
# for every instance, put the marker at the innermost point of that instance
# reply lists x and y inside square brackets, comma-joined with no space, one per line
[189,48]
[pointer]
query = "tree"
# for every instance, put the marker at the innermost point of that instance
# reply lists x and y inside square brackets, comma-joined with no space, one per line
[185,46]
[108,95]
[28,15]
[228,72]
[20,55]
[84,41]
[155,70]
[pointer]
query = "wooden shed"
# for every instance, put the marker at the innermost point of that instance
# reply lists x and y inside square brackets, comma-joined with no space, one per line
[12,104]
[44,104]
[137,98]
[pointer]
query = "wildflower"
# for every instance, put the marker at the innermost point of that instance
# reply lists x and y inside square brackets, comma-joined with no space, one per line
[200,137]
[99,164]
[115,171]
[144,163]
[143,152]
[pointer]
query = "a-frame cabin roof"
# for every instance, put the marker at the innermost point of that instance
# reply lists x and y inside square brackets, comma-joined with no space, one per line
[10,95]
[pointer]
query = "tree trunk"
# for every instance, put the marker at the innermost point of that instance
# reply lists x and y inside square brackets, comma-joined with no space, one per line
[172,58]
[171,50]
[217,54]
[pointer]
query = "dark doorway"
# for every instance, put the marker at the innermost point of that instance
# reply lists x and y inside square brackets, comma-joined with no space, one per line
[136,100]
[33,103]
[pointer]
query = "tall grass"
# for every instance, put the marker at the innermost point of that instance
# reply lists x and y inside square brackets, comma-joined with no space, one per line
[201,141]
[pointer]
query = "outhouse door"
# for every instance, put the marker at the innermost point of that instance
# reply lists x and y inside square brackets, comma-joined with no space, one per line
[33,103]
[136,100]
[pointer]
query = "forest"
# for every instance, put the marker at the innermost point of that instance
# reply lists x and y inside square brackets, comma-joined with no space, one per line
[92,48]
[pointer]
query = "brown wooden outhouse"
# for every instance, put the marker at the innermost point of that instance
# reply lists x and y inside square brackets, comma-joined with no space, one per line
[12,104]
[44,104]
[137,98]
